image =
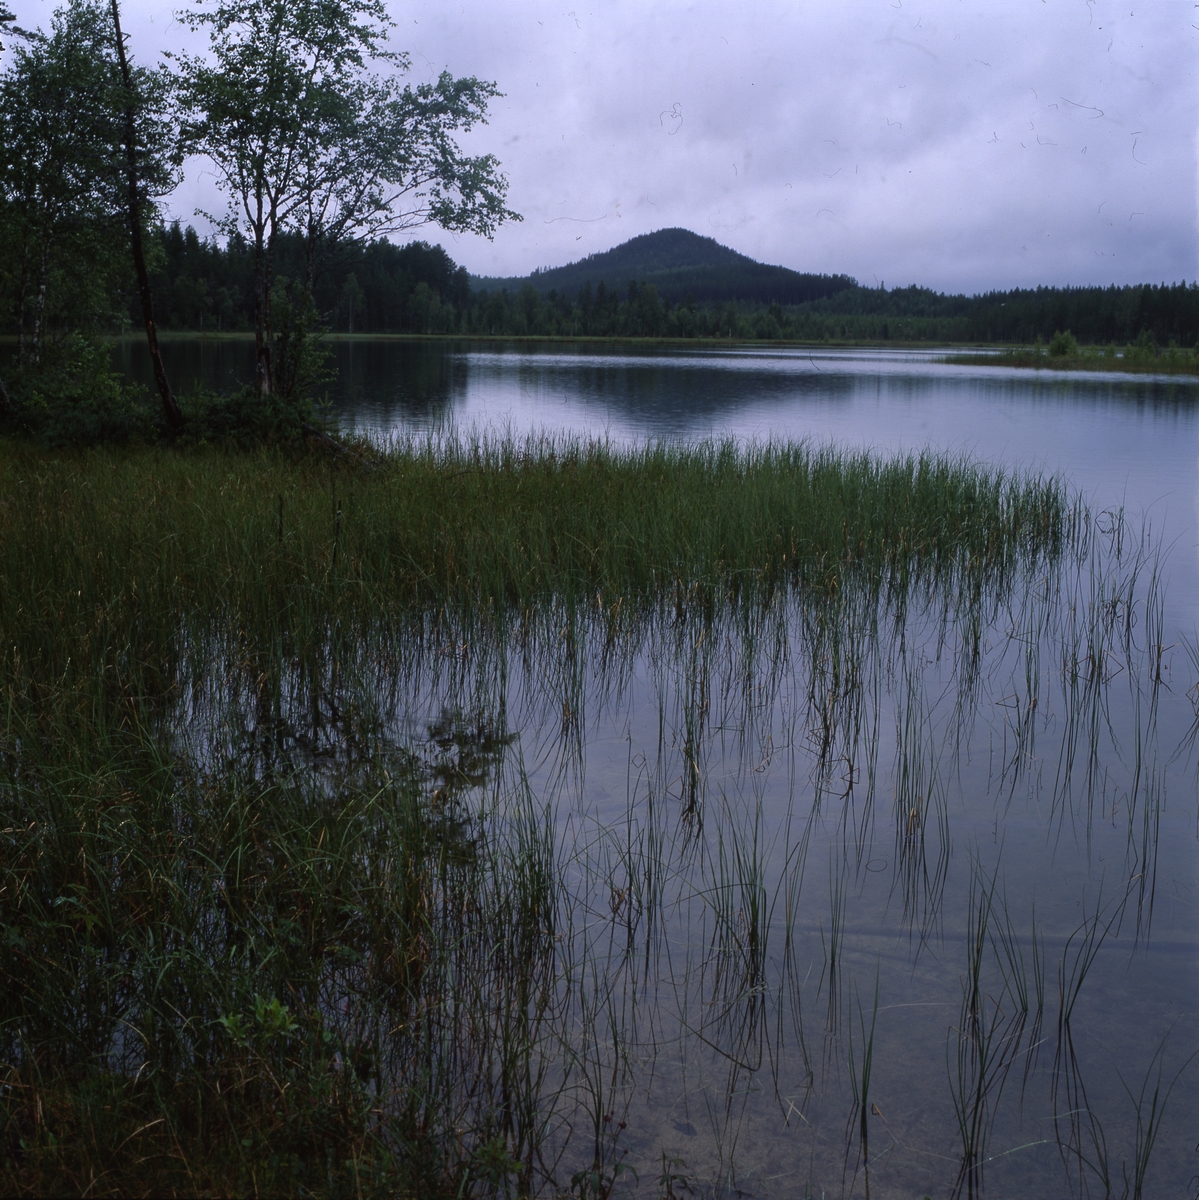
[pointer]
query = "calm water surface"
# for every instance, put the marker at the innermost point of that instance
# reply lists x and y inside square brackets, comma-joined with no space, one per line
[1130,442]
[774,865]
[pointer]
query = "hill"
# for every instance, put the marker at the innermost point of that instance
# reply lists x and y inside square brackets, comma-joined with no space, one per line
[378,287]
[680,264]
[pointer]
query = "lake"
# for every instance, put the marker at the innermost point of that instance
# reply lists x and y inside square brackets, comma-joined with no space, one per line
[893,897]
[1130,441]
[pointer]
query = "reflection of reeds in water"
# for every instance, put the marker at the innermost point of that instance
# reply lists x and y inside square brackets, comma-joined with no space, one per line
[834,948]
[992,1030]
[1149,1110]
[1080,1134]
[256,897]
[267,941]
[859,1080]
[919,796]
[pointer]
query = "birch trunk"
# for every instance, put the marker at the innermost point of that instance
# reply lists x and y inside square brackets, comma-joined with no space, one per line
[170,406]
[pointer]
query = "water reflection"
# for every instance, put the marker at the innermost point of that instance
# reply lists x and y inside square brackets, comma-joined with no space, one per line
[812,890]
[1128,443]
[397,383]
[871,886]
[384,384]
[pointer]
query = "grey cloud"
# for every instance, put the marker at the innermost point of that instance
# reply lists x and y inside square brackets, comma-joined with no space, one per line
[936,143]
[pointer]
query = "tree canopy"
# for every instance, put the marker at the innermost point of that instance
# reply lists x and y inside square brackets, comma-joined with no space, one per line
[56,183]
[307,140]
[298,105]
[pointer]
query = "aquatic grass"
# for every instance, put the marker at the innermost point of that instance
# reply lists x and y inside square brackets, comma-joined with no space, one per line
[859,1079]
[1149,1118]
[105,554]
[288,785]
[834,954]
[918,793]
[219,982]
[1187,744]
[986,1040]
[1085,1140]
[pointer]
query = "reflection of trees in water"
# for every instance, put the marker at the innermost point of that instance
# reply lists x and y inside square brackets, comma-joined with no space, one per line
[669,392]
[384,383]
[217,364]
[372,382]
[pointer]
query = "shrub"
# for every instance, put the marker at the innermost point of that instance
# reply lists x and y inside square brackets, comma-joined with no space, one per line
[1063,345]
[75,397]
[244,418]
[1144,348]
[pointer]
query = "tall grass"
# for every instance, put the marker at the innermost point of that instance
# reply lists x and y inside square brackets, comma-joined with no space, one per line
[104,553]
[270,927]
[222,982]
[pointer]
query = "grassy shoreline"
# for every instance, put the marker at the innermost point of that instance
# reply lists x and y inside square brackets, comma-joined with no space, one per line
[489,524]
[251,946]
[1170,362]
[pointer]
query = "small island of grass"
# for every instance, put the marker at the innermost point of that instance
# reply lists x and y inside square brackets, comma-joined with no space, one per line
[1063,353]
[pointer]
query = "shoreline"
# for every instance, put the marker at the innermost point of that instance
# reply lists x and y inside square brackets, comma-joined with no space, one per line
[1181,362]
[1184,364]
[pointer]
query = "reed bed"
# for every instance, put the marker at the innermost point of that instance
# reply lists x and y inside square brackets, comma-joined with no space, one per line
[208,979]
[269,930]
[267,538]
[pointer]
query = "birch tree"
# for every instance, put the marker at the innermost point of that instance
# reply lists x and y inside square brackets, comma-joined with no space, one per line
[85,145]
[149,160]
[306,138]
[55,144]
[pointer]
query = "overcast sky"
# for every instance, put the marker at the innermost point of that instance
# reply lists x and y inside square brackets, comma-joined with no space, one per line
[962,145]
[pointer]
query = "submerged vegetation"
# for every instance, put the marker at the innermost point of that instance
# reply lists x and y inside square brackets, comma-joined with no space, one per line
[307,885]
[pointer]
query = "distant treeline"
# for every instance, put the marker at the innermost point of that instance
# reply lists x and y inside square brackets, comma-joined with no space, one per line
[1096,315]
[359,286]
[377,287]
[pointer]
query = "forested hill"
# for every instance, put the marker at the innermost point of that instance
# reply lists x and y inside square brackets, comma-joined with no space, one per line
[377,287]
[681,265]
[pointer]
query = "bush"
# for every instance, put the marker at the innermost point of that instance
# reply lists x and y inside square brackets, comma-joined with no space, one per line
[300,363]
[1063,345]
[74,397]
[1145,348]
[244,418]
[301,360]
